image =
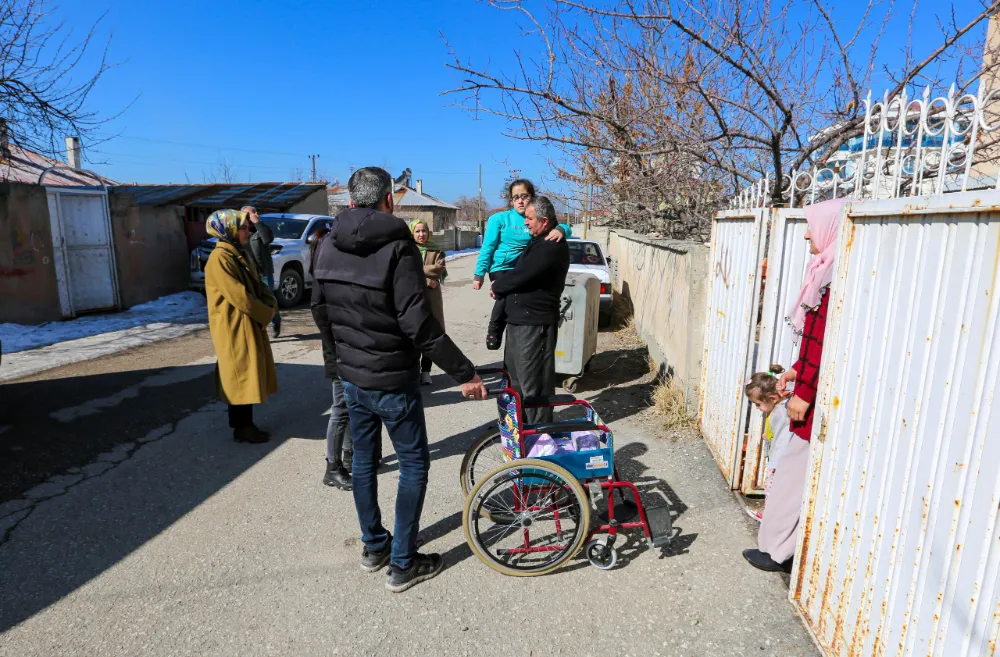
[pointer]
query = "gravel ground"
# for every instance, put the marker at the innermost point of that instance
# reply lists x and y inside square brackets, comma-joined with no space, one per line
[142,529]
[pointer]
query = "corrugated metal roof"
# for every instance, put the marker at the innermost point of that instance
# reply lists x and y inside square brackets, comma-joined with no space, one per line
[270,195]
[26,166]
[403,195]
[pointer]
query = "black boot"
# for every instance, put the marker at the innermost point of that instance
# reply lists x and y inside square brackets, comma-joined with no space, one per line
[336,476]
[249,435]
[349,461]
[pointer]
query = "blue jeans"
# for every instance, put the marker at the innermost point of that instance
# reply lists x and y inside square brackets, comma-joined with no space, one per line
[276,322]
[402,413]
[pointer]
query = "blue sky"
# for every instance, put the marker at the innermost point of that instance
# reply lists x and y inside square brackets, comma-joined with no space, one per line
[356,82]
[261,84]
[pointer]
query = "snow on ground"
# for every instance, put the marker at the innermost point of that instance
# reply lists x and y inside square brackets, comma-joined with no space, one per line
[181,308]
[451,255]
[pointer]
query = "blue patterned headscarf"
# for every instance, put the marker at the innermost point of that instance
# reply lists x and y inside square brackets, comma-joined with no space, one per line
[225,225]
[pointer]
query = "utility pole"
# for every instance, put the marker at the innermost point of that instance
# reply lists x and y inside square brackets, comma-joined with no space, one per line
[313,158]
[479,199]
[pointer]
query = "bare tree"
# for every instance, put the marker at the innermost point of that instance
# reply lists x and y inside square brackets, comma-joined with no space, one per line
[468,209]
[222,173]
[46,78]
[670,106]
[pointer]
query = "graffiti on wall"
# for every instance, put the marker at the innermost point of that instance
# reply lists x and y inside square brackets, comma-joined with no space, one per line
[25,250]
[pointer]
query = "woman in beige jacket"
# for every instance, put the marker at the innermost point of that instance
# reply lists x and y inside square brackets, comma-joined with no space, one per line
[435,271]
[240,306]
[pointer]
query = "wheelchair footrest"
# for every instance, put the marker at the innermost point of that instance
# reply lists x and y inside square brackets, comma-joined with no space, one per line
[661,525]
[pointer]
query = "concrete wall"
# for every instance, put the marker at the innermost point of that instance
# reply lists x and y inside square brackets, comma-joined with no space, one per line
[315,203]
[28,290]
[667,283]
[439,218]
[151,250]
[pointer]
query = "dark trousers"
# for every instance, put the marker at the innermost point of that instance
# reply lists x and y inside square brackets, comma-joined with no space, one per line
[402,413]
[425,364]
[276,322]
[498,318]
[240,415]
[531,361]
[338,435]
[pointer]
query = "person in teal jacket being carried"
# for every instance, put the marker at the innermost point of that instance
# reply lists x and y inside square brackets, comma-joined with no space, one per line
[506,237]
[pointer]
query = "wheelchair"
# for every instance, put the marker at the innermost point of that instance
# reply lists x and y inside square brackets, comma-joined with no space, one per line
[527,516]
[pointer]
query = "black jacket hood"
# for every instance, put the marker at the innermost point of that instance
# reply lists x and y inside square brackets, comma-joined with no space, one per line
[363,231]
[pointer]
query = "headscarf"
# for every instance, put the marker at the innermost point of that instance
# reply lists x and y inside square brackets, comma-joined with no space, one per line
[225,225]
[429,245]
[824,226]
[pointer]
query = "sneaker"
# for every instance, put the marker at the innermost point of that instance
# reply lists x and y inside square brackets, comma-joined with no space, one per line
[425,379]
[755,514]
[375,561]
[425,566]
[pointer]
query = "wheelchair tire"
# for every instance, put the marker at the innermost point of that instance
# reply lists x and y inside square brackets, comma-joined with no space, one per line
[482,457]
[544,484]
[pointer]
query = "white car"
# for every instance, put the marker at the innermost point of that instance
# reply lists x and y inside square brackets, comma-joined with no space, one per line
[587,257]
[289,252]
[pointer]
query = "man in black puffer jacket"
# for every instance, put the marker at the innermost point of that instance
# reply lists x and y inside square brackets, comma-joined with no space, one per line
[533,291]
[373,282]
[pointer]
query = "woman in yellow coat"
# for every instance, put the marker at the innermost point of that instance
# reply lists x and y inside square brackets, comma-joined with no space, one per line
[240,305]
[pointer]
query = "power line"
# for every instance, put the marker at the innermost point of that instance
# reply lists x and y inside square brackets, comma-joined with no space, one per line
[193,145]
[140,160]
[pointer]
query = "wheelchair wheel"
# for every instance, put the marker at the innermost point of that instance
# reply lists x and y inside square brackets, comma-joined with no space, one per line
[483,456]
[526,518]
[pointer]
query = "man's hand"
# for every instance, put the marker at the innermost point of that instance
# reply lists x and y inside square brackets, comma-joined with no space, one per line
[492,295]
[555,235]
[253,217]
[797,409]
[474,389]
[431,283]
[788,377]
[476,285]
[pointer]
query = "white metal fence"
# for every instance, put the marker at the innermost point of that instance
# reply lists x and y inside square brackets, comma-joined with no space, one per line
[787,257]
[898,548]
[735,259]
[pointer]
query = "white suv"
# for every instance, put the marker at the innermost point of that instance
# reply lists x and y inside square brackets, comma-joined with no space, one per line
[289,252]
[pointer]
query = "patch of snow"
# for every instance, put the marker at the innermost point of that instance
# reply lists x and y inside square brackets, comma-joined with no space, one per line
[181,308]
[452,255]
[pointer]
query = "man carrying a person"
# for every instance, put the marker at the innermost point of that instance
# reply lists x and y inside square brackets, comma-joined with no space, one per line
[373,281]
[533,291]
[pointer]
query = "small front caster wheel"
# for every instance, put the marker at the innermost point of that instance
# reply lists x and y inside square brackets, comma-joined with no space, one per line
[600,555]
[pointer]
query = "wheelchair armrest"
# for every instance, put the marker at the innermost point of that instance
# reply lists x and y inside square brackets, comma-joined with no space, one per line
[547,400]
[562,427]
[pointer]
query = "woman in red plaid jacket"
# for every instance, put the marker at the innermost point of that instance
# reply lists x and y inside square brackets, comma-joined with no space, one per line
[780,522]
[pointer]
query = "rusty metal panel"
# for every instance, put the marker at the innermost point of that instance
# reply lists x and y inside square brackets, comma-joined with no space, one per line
[733,303]
[787,257]
[899,550]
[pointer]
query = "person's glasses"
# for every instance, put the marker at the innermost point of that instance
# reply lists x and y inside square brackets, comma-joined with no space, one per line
[521,197]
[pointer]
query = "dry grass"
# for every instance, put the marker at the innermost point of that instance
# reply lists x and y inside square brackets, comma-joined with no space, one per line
[622,311]
[669,403]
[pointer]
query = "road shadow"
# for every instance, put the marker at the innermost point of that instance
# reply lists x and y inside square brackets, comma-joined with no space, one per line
[59,427]
[614,368]
[653,491]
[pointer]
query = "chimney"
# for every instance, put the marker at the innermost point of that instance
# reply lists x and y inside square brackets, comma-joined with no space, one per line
[74,152]
[420,187]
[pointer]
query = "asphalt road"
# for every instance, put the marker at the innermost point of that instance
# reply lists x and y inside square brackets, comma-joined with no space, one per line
[131,524]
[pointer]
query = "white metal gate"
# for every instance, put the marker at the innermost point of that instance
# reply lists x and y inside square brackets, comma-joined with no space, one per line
[84,249]
[733,303]
[787,257]
[899,550]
